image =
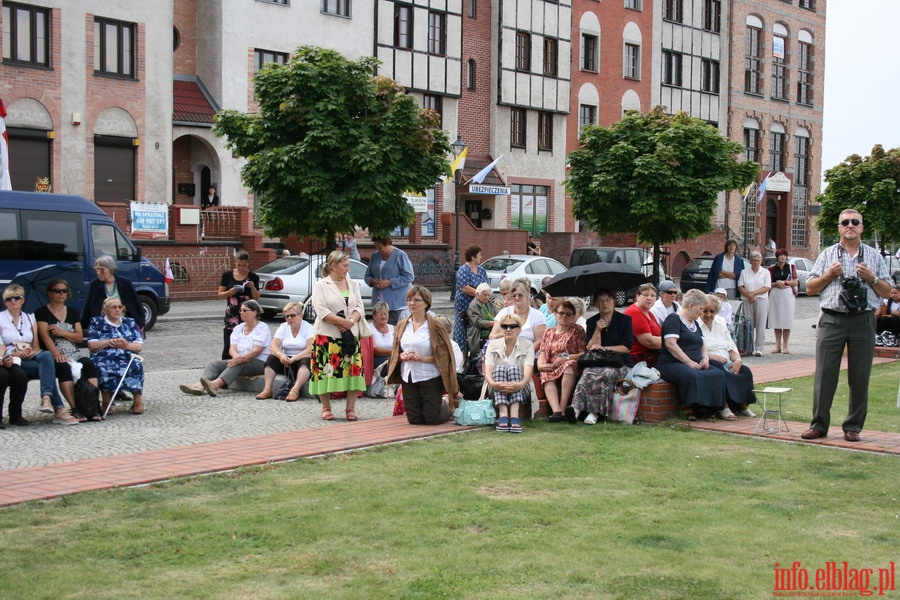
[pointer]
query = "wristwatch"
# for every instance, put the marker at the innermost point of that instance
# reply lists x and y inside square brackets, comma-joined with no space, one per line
[875,281]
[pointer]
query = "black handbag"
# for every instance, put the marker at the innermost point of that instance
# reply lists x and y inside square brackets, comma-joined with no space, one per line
[470,380]
[349,343]
[600,358]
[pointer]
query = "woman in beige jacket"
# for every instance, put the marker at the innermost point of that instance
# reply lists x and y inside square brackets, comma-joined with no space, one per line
[335,367]
[422,362]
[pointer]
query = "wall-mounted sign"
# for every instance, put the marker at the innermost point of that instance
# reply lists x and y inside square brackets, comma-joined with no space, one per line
[149,220]
[778,183]
[494,190]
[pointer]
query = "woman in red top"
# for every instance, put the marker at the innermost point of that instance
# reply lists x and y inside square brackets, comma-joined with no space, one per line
[647,332]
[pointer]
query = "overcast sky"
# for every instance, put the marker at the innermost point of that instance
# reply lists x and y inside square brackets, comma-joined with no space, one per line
[862,81]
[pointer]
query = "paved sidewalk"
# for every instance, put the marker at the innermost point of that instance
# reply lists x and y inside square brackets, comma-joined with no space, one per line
[54,480]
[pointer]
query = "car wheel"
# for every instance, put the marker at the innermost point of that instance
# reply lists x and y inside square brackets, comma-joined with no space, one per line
[148,305]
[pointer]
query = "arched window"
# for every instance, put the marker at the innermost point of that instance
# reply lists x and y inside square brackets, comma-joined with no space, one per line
[779,62]
[752,139]
[777,137]
[804,67]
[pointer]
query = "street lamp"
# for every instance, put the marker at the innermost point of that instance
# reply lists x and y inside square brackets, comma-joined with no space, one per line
[458,147]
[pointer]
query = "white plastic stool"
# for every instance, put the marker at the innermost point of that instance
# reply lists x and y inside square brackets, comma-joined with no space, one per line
[773,414]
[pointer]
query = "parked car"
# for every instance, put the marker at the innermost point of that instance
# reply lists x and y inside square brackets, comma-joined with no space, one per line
[533,268]
[893,265]
[803,266]
[637,257]
[291,278]
[695,275]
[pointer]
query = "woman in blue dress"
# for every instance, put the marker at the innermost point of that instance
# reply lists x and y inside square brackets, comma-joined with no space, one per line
[468,277]
[112,339]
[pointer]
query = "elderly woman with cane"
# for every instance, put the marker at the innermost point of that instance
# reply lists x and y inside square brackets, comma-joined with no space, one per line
[113,341]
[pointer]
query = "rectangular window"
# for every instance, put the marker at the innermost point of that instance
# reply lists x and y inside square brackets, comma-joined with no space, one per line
[437,33]
[523,51]
[262,57]
[587,115]
[26,34]
[471,8]
[751,143]
[804,74]
[545,131]
[633,4]
[671,68]
[801,162]
[551,56]
[589,52]
[800,220]
[709,75]
[632,62]
[435,103]
[776,152]
[403,26]
[753,61]
[712,15]
[113,47]
[779,68]
[810,4]
[517,127]
[672,10]
[528,208]
[340,8]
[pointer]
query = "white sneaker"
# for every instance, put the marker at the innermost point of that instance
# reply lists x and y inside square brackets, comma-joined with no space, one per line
[757,353]
[746,413]
[726,414]
[591,419]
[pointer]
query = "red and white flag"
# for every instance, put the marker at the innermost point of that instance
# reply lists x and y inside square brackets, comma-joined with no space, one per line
[169,276]
[5,181]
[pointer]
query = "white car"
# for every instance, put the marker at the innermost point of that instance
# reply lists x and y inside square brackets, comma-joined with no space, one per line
[514,266]
[803,266]
[291,278]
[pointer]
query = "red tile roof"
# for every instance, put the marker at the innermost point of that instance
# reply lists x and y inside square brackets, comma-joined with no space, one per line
[191,104]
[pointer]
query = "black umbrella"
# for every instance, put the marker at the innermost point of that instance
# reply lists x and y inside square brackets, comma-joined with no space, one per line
[587,279]
[35,285]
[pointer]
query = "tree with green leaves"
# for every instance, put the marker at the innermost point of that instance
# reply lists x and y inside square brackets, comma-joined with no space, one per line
[655,175]
[870,185]
[334,146]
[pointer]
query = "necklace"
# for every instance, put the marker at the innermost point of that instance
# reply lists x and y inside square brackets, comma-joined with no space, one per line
[19,326]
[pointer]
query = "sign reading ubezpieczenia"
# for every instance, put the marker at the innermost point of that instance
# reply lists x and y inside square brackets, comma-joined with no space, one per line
[149,220]
[495,190]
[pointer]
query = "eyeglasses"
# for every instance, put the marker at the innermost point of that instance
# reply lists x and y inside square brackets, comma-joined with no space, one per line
[59,291]
[246,310]
[13,298]
[847,222]
[509,326]
[671,292]
[414,300]
[562,313]
[291,316]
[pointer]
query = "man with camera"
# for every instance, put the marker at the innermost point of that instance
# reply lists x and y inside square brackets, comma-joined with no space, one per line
[849,277]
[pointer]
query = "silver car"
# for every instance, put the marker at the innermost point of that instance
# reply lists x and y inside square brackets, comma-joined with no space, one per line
[803,266]
[291,278]
[514,266]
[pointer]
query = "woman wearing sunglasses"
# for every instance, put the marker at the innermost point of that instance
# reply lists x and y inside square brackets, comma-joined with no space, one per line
[61,332]
[534,324]
[20,336]
[291,349]
[508,365]
[249,349]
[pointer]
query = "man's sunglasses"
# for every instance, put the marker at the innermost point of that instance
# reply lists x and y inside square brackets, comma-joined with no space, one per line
[847,222]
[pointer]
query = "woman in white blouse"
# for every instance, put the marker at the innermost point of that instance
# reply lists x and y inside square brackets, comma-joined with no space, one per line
[290,352]
[382,333]
[249,349]
[422,361]
[534,324]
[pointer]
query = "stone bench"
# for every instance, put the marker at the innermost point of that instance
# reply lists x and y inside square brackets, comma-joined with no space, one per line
[659,402]
[255,384]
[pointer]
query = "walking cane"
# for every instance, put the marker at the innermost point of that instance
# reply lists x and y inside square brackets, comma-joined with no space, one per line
[121,381]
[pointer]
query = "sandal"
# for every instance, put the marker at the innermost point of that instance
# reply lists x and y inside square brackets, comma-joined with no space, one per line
[327,415]
[292,396]
[503,424]
[77,415]
[266,393]
[351,415]
[46,405]
[515,425]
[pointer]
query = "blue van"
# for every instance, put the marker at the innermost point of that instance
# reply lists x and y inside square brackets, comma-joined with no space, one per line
[70,232]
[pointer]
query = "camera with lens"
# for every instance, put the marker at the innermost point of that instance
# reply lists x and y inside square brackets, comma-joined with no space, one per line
[854,295]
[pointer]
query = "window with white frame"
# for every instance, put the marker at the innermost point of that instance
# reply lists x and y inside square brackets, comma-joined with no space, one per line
[709,75]
[589,52]
[776,148]
[529,208]
[753,57]
[340,8]
[801,160]
[804,69]
[808,4]
[632,62]
[633,4]
[114,47]
[752,139]
[672,65]
[779,63]
[26,35]
[545,130]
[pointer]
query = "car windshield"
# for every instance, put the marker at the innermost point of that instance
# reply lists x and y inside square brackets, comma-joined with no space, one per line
[287,265]
[502,264]
[700,263]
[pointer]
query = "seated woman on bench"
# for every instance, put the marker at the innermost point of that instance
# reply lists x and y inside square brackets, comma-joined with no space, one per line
[561,346]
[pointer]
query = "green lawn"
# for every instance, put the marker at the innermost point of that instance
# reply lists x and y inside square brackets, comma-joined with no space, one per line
[560,511]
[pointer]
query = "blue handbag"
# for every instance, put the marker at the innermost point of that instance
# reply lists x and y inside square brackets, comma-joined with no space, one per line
[476,412]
